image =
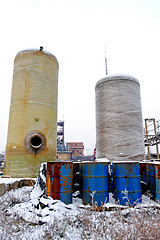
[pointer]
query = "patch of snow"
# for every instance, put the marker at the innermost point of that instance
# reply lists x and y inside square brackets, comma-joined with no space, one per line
[40,185]
[12,180]
[101,160]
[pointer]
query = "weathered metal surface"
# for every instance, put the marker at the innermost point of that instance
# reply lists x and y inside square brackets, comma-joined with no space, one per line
[111,178]
[59,180]
[151,179]
[143,174]
[94,176]
[157,168]
[143,171]
[76,177]
[127,183]
[32,129]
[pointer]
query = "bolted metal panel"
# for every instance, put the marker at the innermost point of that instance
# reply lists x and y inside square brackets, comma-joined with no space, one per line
[127,183]
[59,180]
[32,129]
[94,177]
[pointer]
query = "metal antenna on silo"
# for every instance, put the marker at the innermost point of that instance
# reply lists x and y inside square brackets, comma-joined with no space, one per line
[106,62]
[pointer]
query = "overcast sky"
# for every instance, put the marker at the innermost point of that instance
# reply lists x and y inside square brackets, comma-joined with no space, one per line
[76,32]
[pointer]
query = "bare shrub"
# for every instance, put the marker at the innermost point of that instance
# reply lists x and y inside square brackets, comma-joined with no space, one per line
[139,223]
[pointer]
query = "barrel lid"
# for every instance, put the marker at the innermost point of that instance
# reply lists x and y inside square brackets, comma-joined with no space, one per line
[59,161]
[115,77]
[144,161]
[127,161]
[153,162]
[101,160]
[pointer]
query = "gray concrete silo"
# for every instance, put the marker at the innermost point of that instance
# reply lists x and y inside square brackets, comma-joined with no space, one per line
[119,124]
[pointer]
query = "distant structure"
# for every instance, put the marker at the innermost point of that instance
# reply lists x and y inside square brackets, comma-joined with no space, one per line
[76,148]
[152,136]
[60,136]
[62,152]
[106,62]
[71,149]
[2,160]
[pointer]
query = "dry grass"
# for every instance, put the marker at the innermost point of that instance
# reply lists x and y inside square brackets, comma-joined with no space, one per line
[130,224]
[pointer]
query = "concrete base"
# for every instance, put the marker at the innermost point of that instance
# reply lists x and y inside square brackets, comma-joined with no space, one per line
[4,187]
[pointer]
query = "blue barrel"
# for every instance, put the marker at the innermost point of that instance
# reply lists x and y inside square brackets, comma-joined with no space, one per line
[151,179]
[111,178]
[94,183]
[127,183]
[157,168]
[59,180]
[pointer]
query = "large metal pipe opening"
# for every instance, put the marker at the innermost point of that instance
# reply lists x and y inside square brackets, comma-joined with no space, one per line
[35,142]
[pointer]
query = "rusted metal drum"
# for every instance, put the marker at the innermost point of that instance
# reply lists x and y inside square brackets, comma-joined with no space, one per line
[59,180]
[143,174]
[127,183]
[157,168]
[76,180]
[94,182]
[151,179]
[143,171]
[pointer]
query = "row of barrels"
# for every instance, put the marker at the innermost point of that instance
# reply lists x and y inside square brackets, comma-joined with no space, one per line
[94,181]
[150,176]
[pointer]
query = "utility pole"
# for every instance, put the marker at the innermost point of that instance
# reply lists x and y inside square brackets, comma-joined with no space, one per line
[106,62]
[156,138]
[146,128]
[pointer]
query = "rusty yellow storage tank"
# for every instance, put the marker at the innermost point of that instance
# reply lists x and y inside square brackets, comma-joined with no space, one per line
[32,129]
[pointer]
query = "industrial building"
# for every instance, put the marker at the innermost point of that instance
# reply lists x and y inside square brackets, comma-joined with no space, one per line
[76,148]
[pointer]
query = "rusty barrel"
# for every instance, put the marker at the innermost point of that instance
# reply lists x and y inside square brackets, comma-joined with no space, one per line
[143,171]
[143,174]
[157,168]
[76,179]
[59,180]
[127,182]
[151,179]
[94,182]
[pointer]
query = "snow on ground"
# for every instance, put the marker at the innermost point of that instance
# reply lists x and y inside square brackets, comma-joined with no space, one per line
[23,217]
[12,180]
[27,213]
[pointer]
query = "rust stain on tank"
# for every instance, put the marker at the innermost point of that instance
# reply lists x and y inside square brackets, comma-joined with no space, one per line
[39,53]
[47,127]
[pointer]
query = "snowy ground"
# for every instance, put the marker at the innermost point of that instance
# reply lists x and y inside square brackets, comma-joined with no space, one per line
[23,217]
